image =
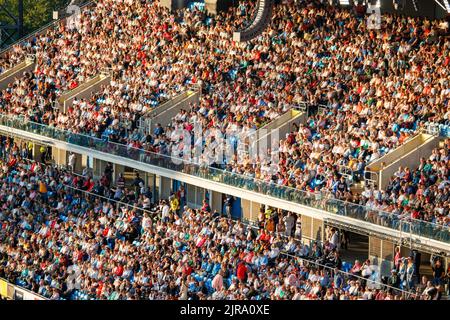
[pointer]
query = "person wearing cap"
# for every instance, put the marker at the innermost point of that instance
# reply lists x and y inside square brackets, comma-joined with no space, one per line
[394,279]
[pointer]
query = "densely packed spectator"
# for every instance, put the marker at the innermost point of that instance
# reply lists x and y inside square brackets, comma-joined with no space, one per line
[237,84]
[379,87]
[305,57]
[64,243]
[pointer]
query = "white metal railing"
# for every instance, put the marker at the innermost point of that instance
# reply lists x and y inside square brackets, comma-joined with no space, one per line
[371,179]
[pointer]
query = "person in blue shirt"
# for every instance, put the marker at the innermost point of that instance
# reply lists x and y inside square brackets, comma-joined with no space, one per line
[158,130]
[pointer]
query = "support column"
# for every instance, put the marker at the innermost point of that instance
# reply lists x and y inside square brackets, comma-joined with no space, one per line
[381,253]
[60,156]
[165,188]
[250,210]
[99,167]
[216,202]
[246,209]
[312,229]
[199,196]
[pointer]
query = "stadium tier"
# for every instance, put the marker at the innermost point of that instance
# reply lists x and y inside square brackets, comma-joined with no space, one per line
[147,154]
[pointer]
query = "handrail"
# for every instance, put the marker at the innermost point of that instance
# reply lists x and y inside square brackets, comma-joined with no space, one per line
[249,223]
[177,159]
[329,204]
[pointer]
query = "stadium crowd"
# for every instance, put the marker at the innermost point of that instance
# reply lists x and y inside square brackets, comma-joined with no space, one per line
[377,88]
[246,85]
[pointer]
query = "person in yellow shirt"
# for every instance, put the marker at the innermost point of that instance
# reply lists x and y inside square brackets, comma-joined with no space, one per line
[174,203]
[43,190]
[42,187]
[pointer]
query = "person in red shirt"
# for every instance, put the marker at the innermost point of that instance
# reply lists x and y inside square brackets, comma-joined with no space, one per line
[206,206]
[241,272]
[187,269]
[118,271]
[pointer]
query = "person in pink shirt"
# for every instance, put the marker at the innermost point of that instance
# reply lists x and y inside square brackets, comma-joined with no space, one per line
[217,282]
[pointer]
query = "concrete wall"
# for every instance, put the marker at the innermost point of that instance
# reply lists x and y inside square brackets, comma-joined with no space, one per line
[406,155]
[83,91]
[166,3]
[216,201]
[273,132]
[165,116]
[173,4]
[165,187]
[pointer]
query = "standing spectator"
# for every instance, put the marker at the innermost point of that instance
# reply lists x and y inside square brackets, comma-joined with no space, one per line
[228,205]
[120,183]
[108,172]
[241,272]
[397,258]
[72,160]
[181,194]
[334,238]
[410,273]
[289,223]
[438,272]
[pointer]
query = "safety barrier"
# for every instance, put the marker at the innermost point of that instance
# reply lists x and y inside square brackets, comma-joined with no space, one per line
[17,71]
[405,155]
[14,292]
[326,204]
[83,91]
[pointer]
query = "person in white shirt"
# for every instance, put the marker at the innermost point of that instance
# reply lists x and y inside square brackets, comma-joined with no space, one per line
[165,211]
[334,239]
[72,159]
